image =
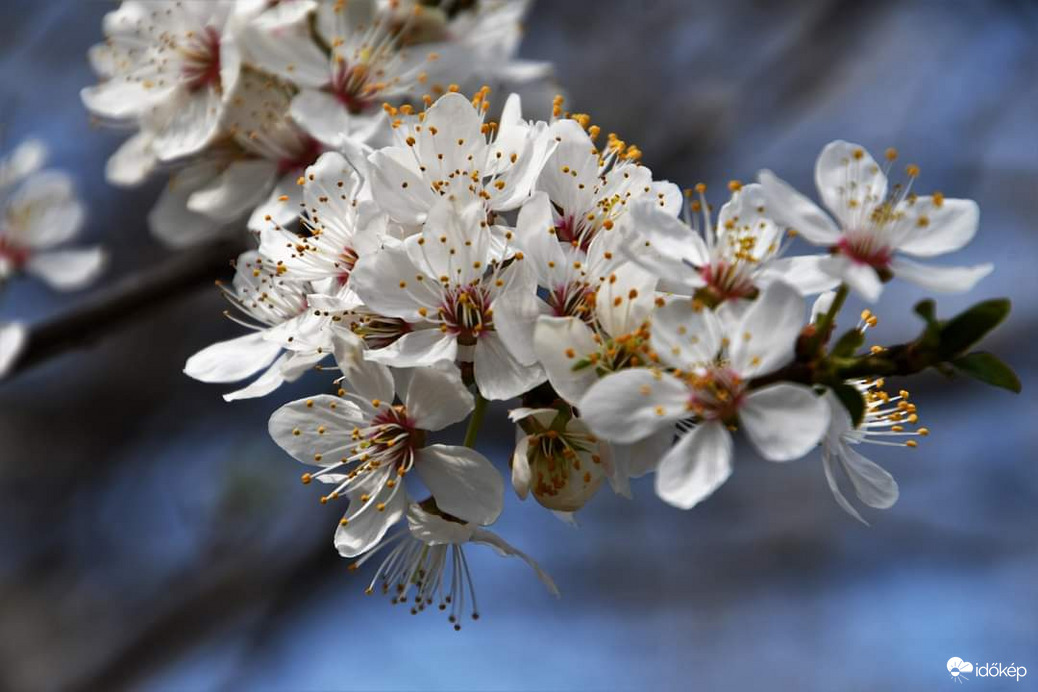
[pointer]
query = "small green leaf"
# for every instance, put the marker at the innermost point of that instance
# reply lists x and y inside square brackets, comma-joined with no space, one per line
[848,344]
[967,328]
[927,309]
[852,400]
[988,369]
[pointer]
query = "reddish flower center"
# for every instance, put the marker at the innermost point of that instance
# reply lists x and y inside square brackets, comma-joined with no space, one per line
[864,248]
[350,86]
[15,254]
[202,59]
[572,300]
[466,312]
[716,394]
[576,232]
[728,281]
[347,260]
[307,153]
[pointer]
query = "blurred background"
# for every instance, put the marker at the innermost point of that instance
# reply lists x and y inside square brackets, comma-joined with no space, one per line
[153,537]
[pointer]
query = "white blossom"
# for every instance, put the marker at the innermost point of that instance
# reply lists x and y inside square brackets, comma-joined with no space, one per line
[167,65]
[875,225]
[426,563]
[39,210]
[364,445]
[447,284]
[705,390]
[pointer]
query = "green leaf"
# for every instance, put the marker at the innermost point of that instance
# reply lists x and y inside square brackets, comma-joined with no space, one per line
[988,369]
[967,328]
[927,309]
[848,344]
[852,400]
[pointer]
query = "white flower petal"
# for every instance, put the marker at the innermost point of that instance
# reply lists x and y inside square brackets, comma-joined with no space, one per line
[464,483]
[267,382]
[766,335]
[369,379]
[686,335]
[432,529]
[829,462]
[784,421]
[417,349]
[948,227]
[696,466]
[668,235]
[436,396]
[942,279]
[849,181]
[68,270]
[328,121]
[366,524]
[316,430]
[232,360]
[793,210]
[506,550]
[12,341]
[390,284]
[632,404]
[803,273]
[625,299]
[281,207]
[235,191]
[861,278]
[555,338]
[132,162]
[872,483]
[521,473]
[498,374]
[189,122]
[397,185]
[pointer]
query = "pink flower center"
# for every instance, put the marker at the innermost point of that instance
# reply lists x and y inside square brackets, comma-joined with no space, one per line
[573,299]
[466,312]
[576,232]
[202,59]
[15,254]
[350,86]
[728,281]
[865,248]
[307,153]
[716,394]
[347,260]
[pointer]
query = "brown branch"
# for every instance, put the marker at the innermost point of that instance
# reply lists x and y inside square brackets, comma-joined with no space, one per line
[127,300]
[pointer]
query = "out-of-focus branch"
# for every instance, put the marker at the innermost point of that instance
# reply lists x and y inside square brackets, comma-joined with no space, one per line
[127,300]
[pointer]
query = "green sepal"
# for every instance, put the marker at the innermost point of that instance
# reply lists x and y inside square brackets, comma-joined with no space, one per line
[967,328]
[852,400]
[848,344]
[989,369]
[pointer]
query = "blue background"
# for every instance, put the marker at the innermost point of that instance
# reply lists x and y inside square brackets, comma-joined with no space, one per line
[152,536]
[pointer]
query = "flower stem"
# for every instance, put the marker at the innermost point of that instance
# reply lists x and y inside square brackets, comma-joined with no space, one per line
[825,323]
[475,421]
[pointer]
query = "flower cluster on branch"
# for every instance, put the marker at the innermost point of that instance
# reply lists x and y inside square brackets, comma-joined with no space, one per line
[432,254]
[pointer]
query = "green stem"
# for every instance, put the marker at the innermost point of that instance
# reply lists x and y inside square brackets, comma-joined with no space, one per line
[825,323]
[476,421]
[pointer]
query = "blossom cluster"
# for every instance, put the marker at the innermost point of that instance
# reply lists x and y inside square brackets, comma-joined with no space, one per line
[39,210]
[433,254]
[233,99]
[523,261]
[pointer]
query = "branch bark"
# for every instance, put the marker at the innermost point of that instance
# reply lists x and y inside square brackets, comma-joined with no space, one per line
[127,300]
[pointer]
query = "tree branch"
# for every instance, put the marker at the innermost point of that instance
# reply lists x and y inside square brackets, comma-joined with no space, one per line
[127,300]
